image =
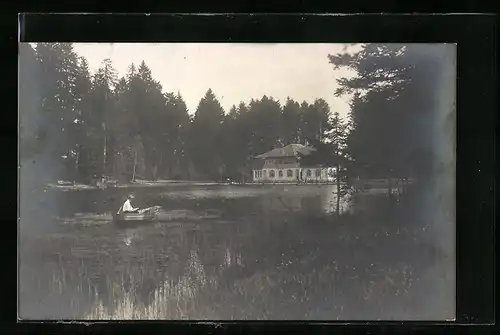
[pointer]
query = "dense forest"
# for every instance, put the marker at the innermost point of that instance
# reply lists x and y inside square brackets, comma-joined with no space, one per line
[84,125]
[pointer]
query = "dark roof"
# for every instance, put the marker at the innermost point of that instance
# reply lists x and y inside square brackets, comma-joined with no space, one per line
[290,150]
[257,164]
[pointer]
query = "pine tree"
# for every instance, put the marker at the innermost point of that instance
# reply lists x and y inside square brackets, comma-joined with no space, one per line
[83,87]
[392,107]
[206,137]
[102,101]
[291,122]
[58,74]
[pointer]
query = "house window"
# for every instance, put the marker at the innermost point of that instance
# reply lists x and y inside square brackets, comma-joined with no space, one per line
[280,173]
[255,174]
[271,174]
[308,172]
[289,173]
[264,173]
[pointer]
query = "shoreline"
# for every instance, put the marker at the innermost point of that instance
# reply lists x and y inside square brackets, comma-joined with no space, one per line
[141,184]
[163,183]
[367,185]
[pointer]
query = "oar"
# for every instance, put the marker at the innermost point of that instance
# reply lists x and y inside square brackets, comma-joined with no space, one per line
[149,209]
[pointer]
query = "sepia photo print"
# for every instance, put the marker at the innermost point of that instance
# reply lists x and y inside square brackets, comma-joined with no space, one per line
[237,181]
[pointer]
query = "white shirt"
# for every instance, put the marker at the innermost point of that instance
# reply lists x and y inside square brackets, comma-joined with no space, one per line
[127,207]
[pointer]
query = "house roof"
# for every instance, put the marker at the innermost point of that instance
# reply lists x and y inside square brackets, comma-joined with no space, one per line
[291,150]
[257,164]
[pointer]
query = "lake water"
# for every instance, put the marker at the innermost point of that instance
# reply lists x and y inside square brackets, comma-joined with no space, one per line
[225,253]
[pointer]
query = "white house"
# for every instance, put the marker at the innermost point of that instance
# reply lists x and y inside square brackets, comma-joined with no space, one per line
[283,165]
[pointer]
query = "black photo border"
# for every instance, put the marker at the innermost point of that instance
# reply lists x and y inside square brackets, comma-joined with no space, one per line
[476,109]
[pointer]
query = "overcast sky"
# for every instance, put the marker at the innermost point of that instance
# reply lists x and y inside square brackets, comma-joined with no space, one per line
[235,72]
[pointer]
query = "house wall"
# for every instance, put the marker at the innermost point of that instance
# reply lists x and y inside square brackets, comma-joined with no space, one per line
[306,174]
[281,163]
[288,169]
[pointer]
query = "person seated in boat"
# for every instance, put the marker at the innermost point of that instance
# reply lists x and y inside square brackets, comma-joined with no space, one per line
[127,206]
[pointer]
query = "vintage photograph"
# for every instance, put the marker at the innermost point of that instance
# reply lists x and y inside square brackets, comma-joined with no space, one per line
[237,181]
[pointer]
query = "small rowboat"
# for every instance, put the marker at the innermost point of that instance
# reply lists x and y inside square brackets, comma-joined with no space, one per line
[133,219]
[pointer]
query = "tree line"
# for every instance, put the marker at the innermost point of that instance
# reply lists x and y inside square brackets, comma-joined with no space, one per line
[127,127]
[91,125]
